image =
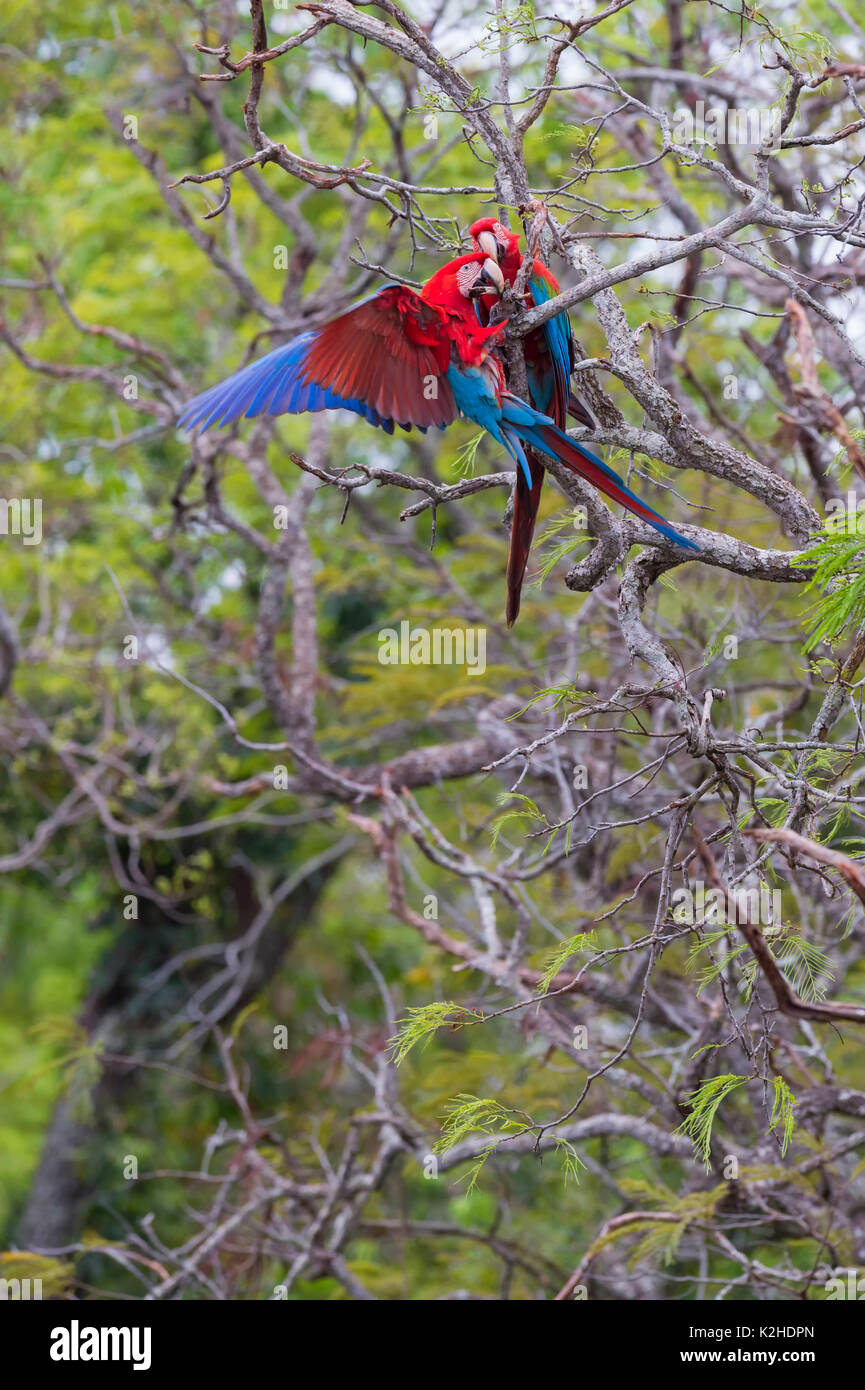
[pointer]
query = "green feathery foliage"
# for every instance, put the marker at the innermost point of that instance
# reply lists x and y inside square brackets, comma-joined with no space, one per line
[837,586]
[782,1112]
[468,1115]
[420,1024]
[558,958]
[569,1159]
[805,966]
[466,461]
[710,973]
[475,1168]
[529,811]
[551,554]
[661,1236]
[704,1102]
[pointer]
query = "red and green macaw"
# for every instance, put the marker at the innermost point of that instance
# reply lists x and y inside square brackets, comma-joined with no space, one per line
[412,359]
[549,354]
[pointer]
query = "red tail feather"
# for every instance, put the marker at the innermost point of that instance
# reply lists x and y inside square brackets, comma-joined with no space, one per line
[526,503]
[570,454]
[579,411]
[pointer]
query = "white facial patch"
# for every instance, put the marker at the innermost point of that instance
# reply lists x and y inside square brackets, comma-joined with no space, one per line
[466,277]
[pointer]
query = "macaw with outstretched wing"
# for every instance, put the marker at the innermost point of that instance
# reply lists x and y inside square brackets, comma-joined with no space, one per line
[417,360]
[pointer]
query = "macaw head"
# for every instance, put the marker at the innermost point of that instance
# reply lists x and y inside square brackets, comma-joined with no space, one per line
[458,284]
[481,277]
[457,291]
[499,244]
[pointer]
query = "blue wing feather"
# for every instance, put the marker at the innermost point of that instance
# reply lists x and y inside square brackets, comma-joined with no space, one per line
[557,332]
[273,385]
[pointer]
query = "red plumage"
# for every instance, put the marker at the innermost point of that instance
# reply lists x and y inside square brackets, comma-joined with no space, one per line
[390,349]
[384,351]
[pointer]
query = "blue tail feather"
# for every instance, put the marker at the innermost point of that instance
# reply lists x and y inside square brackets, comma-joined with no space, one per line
[541,433]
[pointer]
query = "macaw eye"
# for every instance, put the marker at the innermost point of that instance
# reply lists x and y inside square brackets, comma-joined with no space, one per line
[467,276]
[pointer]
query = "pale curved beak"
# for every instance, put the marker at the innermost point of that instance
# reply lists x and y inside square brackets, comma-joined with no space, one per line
[488,243]
[491,274]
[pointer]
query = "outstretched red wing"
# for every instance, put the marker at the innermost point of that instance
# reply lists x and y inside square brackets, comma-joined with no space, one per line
[391,351]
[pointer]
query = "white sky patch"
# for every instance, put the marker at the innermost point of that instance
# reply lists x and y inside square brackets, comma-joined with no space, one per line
[231,578]
[334,85]
[155,649]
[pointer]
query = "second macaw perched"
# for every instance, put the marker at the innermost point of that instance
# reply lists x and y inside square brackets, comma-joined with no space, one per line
[403,358]
[549,354]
